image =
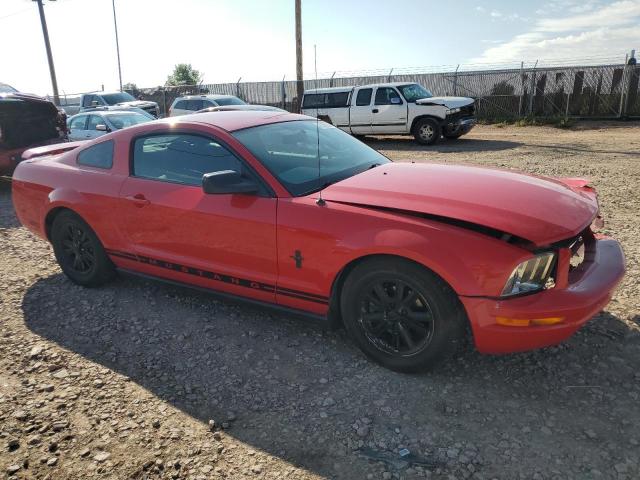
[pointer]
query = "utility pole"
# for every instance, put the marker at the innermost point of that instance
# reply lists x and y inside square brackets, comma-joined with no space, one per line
[115,25]
[47,45]
[299,77]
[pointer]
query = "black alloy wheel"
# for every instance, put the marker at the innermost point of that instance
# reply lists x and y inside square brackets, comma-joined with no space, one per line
[396,318]
[79,252]
[400,314]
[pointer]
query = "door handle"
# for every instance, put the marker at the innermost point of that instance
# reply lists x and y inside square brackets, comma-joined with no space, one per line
[375,110]
[139,200]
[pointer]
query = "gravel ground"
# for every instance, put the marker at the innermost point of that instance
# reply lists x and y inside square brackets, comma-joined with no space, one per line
[142,380]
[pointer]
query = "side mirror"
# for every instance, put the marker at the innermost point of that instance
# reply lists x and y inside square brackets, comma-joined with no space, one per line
[227,181]
[395,101]
[95,103]
[102,128]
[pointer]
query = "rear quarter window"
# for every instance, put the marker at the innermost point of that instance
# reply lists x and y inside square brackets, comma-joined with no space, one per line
[313,100]
[335,100]
[99,156]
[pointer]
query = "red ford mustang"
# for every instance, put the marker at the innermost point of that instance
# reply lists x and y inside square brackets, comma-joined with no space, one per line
[278,209]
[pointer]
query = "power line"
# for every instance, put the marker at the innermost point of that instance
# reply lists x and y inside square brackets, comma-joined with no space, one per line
[15,13]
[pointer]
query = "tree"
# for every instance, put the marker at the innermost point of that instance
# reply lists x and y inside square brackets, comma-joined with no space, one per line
[132,88]
[184,74]
[503,88]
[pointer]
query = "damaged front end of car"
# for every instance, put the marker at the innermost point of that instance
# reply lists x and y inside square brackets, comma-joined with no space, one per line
[27,121]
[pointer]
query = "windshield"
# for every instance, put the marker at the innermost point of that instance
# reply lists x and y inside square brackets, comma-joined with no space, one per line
[123,120]
[4,88]
[114,98]
[229,101]
[289,150]
[414,92]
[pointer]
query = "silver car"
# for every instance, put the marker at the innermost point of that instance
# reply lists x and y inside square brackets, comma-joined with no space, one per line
[89,125]
[193,103]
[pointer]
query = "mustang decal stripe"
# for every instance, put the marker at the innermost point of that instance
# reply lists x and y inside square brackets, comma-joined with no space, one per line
[219,277]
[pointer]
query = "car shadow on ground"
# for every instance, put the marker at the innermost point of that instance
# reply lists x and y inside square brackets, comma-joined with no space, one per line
[308,396]
[7,215]
[463,144]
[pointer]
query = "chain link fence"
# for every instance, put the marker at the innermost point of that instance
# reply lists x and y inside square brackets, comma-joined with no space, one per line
[603,91]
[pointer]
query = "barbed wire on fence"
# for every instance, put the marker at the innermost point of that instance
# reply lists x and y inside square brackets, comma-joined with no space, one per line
[602,87]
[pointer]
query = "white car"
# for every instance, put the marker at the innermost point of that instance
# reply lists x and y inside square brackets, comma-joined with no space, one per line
[193,103]
[399,108]
[86,126]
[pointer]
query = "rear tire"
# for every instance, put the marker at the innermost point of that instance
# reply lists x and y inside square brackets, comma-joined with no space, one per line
[79,252]
[427,131]
[401,315]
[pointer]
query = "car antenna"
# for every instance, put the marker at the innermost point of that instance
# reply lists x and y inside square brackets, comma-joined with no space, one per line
[320,201]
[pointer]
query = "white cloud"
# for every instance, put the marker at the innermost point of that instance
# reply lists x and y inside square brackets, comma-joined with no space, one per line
[610,29]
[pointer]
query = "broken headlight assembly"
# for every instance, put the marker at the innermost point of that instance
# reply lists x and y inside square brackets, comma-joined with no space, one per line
[531,275]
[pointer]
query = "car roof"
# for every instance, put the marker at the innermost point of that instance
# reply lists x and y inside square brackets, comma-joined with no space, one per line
[236,119]
[116,112]
[387,84]
[210,96]
[328,90]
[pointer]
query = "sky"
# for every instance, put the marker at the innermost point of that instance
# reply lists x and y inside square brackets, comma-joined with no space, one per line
[254,39]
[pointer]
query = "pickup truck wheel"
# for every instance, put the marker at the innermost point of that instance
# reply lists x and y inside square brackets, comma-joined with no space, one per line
[79,252]
[427,131]
[401,315]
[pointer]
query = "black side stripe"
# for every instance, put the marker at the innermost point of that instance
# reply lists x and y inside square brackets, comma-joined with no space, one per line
[219,277]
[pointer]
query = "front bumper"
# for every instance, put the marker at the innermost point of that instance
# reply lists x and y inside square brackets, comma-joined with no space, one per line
[458,126]
[583,297]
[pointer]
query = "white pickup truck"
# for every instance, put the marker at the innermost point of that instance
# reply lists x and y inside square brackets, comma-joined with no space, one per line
[391,109]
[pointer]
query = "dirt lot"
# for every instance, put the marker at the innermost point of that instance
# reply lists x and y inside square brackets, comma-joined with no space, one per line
[125,381]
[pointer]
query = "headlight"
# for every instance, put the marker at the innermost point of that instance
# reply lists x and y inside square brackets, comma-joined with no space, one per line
[452,111]
[531,275]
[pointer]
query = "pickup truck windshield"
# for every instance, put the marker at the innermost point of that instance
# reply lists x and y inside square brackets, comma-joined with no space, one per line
[229,101]
[115,98]
[414,92]
[289,150]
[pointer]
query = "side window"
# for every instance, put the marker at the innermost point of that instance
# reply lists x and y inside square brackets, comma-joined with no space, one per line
[181,105]
[94,120]
[100,155]
[384,96]
[313,100]
[78,123]
[339,99]
[181,158]
[207,104]
[86,102]
[364,97]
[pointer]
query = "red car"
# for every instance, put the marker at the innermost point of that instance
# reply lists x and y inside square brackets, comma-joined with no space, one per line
[279,209]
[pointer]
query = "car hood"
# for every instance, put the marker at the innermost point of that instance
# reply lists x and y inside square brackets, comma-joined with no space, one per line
[449,102]
[540,210]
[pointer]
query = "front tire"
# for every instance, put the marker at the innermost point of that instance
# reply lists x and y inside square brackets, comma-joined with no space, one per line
[427,131]
[79,252]
[401,315]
